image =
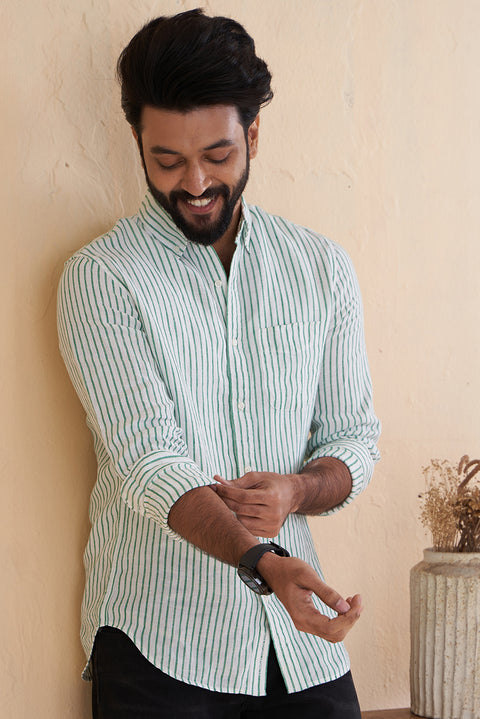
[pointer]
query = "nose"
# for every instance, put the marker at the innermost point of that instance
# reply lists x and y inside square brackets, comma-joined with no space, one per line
[195,180]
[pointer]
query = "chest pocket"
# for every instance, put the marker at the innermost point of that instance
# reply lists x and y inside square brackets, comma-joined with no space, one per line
[290,365]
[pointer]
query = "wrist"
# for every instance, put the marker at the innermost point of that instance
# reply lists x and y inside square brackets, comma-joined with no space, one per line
[296,495]
[269,567]
[248,565]
[324,484]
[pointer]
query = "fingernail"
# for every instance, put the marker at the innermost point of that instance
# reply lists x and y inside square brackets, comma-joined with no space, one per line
[342,606]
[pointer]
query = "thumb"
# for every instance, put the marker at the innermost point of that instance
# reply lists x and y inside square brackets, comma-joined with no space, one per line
[355,603]
[334,600]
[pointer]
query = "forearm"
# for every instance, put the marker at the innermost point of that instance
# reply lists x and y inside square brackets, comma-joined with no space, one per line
[202,518]
[321,485]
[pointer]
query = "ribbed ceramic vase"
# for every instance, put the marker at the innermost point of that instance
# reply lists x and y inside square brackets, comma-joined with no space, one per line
[445,635]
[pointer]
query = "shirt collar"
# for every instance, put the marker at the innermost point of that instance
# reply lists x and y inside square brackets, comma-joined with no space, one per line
[245,228]
[159,224]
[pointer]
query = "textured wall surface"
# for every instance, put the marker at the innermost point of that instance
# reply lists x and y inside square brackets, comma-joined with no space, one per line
[372,139]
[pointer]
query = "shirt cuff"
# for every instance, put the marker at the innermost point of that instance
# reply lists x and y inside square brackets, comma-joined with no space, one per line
[157,481]
[357,458]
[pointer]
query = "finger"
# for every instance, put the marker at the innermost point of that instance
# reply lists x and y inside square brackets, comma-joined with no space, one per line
[228,488]
[333,599]
[307,618]
[356,603]
[330,596]
[246,510]
[248,481]
[242,496]
[342,606]
[337,628]
[333,629]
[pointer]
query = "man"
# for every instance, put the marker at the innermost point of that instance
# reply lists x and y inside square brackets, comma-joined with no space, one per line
[219,354]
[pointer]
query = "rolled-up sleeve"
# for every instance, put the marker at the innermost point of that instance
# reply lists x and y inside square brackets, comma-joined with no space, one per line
[118,381]
[344,424]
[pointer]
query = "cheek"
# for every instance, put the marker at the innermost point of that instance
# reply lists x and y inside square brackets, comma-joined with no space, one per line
[157,178]
[230,176]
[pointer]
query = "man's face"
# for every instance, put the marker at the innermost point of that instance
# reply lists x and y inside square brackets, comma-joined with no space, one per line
[196,164]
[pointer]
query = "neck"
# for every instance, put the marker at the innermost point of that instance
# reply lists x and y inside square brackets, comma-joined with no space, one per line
[225,246]
[225,252]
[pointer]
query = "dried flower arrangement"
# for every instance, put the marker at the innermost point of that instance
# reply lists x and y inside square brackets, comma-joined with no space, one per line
[450,506]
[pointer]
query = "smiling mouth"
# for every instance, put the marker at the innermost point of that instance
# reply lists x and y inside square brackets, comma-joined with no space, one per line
[199,202]
[201,205]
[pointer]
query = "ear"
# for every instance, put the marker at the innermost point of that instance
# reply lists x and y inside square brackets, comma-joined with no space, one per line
[138,140]
[252,137]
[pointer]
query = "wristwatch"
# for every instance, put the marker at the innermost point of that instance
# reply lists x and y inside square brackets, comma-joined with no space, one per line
[247,566]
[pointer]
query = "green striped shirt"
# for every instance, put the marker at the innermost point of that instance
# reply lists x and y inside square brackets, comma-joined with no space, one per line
[185,373]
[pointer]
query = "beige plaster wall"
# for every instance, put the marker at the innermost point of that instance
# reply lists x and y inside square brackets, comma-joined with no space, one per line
[373,139]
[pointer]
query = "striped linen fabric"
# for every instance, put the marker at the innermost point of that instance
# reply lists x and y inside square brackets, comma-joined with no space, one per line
[185,373]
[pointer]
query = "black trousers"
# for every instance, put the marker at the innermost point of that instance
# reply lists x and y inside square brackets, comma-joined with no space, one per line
[127,686]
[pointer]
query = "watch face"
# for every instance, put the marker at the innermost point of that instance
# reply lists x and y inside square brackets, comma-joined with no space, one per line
[253,581]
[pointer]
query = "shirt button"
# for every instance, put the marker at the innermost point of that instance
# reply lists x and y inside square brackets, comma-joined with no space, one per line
[247,469]
[234,343]
[218,283]
[241,405]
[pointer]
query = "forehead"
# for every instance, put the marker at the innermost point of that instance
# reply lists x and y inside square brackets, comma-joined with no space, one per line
[195,130]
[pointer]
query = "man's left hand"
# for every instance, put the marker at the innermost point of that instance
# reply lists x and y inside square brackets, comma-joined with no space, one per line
[261,500]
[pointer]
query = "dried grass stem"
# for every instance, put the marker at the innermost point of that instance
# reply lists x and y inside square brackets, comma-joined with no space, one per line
[450,506]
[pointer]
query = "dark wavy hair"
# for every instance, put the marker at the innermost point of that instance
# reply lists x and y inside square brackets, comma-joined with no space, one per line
[189,61]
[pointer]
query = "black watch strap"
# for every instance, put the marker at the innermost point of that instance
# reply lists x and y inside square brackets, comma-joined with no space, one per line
[247,566]
[252,556]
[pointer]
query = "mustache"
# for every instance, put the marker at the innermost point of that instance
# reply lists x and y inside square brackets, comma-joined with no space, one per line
[209,193]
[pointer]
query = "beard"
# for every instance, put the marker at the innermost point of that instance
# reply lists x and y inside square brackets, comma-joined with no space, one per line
[204,231]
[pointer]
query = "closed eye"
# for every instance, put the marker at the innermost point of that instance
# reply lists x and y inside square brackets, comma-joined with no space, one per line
[211,160]
[218,161]
[169,167]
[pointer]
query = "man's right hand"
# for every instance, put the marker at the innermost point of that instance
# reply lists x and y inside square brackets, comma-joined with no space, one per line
[294,581]
[203,518]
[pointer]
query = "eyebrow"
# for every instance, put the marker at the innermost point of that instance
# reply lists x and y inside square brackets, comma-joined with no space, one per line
[159,150]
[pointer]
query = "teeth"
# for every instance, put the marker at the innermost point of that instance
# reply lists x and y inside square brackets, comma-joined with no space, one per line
[200,203]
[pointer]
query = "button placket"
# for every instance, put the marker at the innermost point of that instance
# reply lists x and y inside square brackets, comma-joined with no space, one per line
[239,403]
